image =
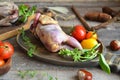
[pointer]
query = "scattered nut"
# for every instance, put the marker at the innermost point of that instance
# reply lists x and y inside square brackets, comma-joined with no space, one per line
[84,75]
[115,45]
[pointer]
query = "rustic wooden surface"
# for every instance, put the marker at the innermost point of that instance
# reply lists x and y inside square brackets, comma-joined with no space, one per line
[21,62]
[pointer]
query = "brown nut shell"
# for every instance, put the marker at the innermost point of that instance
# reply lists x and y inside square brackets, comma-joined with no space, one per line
[84,75]
[115,45]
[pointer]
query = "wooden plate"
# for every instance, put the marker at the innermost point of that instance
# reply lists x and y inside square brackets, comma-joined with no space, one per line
[43,54]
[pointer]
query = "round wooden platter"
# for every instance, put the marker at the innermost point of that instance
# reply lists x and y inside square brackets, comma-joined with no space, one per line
[43,54]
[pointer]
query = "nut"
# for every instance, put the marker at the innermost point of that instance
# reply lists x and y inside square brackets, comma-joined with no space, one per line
[84,75]
[115,45]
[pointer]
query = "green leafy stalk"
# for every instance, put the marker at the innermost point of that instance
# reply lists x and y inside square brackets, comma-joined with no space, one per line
[25,11]
[85,55]
[51,77]
[32,73]
[27,41]
[81,55]
[23,74]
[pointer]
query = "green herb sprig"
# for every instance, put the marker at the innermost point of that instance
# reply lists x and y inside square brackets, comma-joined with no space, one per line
[25,11]
[85,55]
[80,55]
[49,77]
[27,41]
[23,74]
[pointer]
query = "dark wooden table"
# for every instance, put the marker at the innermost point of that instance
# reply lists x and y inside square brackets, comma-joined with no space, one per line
[21,62]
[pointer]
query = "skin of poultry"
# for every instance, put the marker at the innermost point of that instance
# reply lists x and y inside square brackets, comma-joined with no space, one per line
[54,38]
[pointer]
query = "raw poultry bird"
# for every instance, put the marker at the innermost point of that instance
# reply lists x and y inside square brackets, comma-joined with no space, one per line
[52,36]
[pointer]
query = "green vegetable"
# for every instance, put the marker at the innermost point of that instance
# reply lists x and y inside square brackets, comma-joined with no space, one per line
[80,55]
[103,64]
[49,77]
[27,41]
[23,74]
[52,78]
[85,55]
[25,11]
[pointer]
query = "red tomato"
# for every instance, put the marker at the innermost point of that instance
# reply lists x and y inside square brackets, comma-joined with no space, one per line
[6,50]
[2,62]
[79,32]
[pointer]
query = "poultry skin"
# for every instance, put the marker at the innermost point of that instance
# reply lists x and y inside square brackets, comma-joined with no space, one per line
[54,38]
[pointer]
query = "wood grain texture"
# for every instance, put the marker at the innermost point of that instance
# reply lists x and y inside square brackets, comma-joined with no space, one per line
[57,0]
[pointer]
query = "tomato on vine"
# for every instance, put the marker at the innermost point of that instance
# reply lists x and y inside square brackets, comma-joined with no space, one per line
[79,32]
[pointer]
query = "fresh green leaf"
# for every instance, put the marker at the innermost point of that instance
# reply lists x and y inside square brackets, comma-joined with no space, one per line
[27,41]
[32,73]
[22,74]
[25,12]
[103,64]
[80,55]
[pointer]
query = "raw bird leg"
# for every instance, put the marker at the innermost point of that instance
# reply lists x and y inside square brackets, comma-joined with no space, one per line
[54,39]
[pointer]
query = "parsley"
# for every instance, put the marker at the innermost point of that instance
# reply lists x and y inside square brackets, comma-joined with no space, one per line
[85,55]
[27,41]
[80,55]
[49,77]
[25,11]
[23,74]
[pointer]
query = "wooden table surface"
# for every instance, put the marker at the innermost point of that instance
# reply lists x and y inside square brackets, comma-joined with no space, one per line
[21,62]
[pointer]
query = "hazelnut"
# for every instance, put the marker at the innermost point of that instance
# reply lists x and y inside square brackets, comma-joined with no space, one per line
[84,75]
[115,45]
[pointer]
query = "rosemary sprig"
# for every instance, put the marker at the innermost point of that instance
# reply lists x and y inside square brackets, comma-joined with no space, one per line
[27,41]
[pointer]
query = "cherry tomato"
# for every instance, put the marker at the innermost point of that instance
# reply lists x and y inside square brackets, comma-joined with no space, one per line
[79,32]
[91,34]
[2,62]
[89,43]
[6,50]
